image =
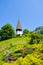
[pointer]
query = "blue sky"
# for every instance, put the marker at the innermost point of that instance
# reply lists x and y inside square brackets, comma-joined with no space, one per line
[30,13]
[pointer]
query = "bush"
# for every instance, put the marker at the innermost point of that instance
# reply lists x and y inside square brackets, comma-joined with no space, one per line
[26,31]
[35,38]
[7,32]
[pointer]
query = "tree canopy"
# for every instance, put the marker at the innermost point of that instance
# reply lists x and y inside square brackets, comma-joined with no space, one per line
[7,32]
[26,31]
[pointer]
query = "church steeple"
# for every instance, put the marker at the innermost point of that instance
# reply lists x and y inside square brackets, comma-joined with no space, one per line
[18,25]
[19,28]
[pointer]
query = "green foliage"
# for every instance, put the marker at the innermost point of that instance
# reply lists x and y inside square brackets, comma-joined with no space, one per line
[35,38]
[25,53]
[7,32]
[33,64]
[26,31]
[0,34]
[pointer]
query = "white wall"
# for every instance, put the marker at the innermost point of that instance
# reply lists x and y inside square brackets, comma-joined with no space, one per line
[19,32]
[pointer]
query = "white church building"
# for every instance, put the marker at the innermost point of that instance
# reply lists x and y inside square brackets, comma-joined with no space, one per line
[19,29]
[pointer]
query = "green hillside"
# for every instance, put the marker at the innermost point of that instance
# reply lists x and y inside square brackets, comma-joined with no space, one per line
[21,51]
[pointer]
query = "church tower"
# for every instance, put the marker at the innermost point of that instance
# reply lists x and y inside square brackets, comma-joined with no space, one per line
[19,28]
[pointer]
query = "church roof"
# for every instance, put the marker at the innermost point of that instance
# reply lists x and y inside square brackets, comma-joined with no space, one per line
[19,25]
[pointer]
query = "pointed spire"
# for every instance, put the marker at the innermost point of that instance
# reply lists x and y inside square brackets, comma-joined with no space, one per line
[19,25]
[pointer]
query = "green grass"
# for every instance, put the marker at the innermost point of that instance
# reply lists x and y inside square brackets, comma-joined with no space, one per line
[18,43]
[12,44]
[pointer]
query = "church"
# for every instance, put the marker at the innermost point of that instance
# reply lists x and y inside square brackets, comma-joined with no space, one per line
[19,28]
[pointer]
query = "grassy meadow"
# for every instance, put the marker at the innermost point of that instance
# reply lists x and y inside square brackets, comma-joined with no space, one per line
[33,56]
